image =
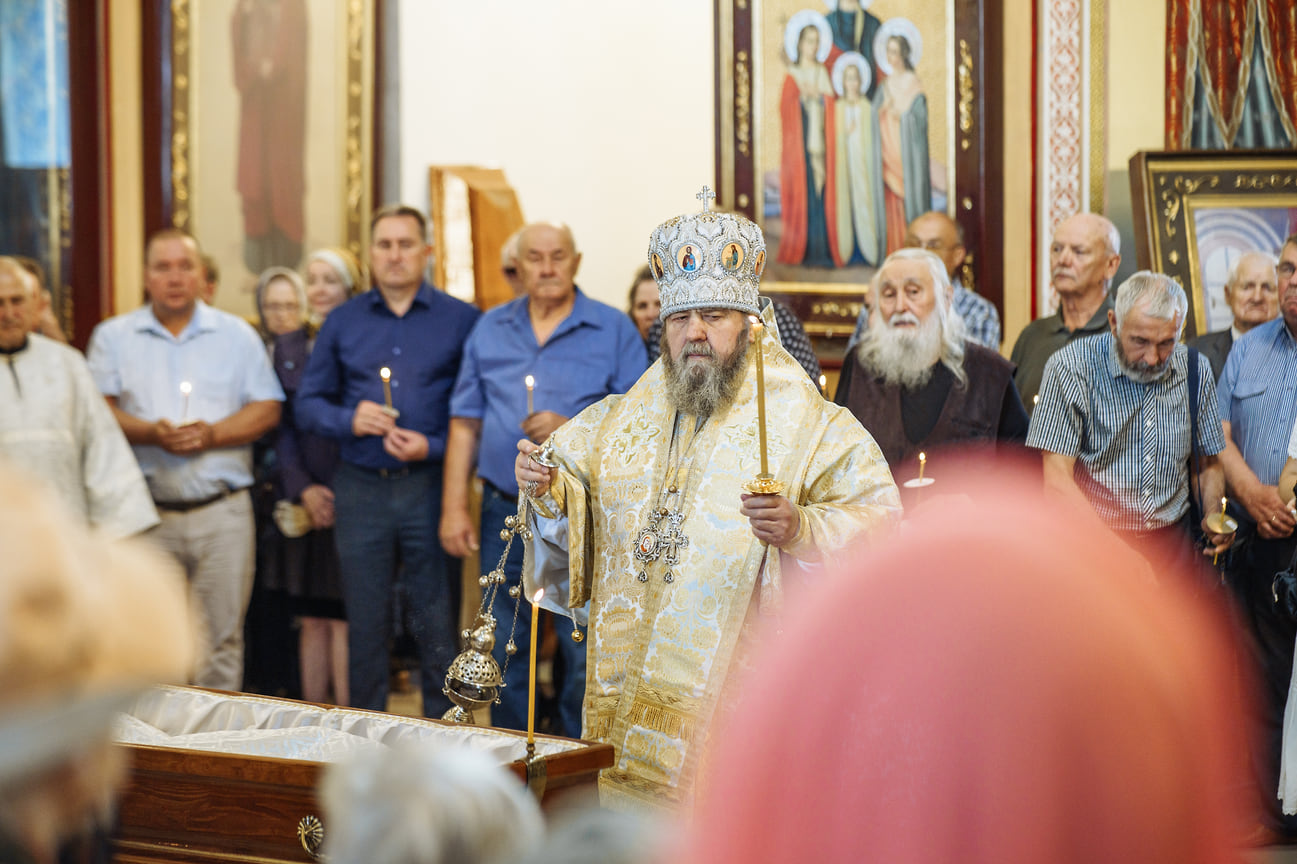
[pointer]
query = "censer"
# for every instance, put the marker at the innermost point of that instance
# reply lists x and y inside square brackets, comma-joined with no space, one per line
[474,678]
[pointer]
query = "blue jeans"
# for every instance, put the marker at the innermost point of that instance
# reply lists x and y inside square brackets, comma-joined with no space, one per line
[511,713]
[387,525]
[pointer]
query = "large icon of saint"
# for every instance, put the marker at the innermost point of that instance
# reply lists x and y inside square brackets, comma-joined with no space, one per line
[903,123]
[860,221]
[805,110]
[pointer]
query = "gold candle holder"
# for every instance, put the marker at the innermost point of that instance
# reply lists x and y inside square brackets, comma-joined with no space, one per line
[764,483]
[531,386]
[1221,523]
[386,375]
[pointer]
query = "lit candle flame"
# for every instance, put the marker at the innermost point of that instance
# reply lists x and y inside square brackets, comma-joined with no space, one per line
[186,388]
[530,381]
[385,374]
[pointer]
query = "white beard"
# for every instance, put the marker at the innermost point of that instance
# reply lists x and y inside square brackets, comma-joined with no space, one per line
[902,357]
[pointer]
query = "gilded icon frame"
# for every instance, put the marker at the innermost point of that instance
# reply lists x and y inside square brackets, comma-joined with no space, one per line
[190,80]
[1176,194]
[972,118]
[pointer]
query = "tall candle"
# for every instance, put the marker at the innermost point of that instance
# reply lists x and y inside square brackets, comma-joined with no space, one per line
[185,389]
[531,675]
[761,397]
[531,385]
[923,460]
[386,375]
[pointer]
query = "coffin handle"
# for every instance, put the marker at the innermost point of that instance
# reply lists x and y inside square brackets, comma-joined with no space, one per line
[310,830]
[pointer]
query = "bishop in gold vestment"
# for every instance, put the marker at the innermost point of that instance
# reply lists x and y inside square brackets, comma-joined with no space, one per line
[645,515]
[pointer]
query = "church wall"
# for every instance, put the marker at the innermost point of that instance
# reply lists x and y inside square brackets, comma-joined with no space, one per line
[1136,58]
[600,114]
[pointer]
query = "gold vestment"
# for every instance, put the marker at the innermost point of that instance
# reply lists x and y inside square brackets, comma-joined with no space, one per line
[660,650]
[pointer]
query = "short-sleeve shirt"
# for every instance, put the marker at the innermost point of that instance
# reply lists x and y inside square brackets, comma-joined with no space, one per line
[1258,396]
[136,360]
[594,352]
[1130,439]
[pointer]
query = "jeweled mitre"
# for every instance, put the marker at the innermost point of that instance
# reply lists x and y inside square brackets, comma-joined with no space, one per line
[707,260]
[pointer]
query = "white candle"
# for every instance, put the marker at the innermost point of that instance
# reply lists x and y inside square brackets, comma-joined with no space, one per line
[531,385]
[531,675]
[185,389]
[386,375]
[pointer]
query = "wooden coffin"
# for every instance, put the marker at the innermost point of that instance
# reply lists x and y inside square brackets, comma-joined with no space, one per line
[226,777]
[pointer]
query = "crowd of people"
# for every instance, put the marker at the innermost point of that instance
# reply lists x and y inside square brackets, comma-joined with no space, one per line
[689,483]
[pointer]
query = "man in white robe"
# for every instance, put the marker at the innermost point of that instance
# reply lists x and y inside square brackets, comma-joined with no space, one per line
[54,423]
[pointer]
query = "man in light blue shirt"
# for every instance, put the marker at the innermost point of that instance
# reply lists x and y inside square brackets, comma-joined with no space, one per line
[577,351]
[192,388]
[1258,403]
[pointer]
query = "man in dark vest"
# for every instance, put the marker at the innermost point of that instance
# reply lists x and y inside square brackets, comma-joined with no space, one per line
[913,380]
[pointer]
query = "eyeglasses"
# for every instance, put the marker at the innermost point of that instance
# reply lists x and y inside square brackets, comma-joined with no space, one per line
[281,307]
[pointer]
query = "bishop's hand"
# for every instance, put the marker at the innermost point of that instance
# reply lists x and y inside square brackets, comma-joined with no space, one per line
[533,478]
[774,519]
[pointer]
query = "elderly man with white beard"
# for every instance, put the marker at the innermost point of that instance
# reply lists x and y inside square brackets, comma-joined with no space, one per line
[913,380]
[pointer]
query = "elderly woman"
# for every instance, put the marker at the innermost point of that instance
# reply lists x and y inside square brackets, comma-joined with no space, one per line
[306,464]
[645,304]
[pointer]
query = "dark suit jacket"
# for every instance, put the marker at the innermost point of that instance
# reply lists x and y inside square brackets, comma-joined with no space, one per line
[1215,347]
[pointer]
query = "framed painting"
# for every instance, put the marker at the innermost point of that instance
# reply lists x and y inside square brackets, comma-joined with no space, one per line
[1196,212]
[840,121]
[261,145]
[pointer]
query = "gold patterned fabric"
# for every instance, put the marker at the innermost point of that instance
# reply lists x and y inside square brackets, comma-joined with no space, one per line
[660,649]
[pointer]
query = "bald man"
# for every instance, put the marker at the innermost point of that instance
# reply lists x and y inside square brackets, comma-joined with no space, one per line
[1083,257]
[577,351]
[1252,292]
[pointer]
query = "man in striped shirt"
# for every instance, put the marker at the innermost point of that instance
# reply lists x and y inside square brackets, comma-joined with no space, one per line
[1113,424]
[1258,403]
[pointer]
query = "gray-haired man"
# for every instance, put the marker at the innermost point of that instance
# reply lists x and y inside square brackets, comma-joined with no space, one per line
[1113,424]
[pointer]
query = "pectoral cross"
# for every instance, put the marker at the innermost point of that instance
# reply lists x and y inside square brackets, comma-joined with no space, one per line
[657,542]
[705,196]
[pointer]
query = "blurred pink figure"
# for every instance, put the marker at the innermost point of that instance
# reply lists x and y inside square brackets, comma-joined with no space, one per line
[1002,682]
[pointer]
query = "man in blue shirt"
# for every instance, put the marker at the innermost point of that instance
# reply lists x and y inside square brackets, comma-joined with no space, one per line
[192,388]
[1258,403]
[393,437]
[577,351]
